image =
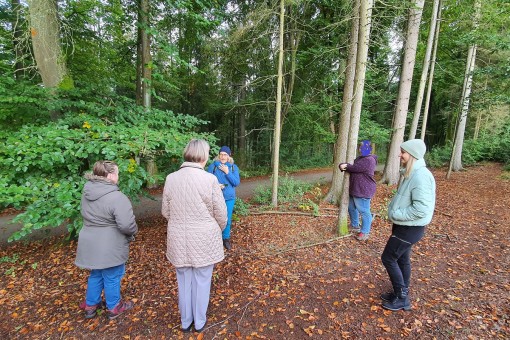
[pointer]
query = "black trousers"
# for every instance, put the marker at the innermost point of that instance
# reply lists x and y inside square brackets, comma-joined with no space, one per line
[396,256]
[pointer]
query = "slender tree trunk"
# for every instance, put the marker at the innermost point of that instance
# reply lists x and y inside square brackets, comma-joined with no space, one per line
[277,124]
[392,167]
[146,55]
[359,85]
[16,41]
[294,38]
[431,74]
[45,32]
[340,151]
[144,79]
[242,127]
[456,158]
[425,71]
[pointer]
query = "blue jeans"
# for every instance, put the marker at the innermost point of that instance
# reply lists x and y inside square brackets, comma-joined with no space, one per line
[230,210]
[396,256]
[107,279]
[360,206]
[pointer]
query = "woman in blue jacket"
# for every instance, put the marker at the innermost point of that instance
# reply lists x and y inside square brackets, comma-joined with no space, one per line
[410,210]
[227,173]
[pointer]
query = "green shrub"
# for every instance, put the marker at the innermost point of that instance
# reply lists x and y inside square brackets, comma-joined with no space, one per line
[289,190]
[241,208]
[42,166]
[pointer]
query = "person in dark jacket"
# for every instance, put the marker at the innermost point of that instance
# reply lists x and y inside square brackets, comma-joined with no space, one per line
[362,188]
[103,243]
[227,173]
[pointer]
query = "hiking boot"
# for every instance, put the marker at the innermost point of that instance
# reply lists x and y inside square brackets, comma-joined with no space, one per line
[362,237]
[227,244]
[121,307]
[91,311]
[401,301]
[388,297]
[355,230]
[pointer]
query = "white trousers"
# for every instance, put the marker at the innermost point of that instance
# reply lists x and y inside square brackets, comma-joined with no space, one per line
[194,291]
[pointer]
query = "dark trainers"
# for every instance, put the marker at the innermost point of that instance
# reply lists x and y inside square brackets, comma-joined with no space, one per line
[91,311]
[121,307]
[355,229]
[227,244]
[361,237]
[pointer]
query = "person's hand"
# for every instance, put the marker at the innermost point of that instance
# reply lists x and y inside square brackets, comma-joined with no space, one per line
[224,168]
[343,166]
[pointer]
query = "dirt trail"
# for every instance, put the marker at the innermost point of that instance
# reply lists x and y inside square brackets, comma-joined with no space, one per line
[147,206]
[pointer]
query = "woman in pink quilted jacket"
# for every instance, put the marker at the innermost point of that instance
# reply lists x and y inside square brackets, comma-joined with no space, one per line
[196,212]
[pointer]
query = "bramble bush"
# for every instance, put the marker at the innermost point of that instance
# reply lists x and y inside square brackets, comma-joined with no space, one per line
[42,165]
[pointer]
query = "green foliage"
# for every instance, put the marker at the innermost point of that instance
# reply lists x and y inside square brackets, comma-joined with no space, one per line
[289,190]
[488,147]
[42,166]
[241,208]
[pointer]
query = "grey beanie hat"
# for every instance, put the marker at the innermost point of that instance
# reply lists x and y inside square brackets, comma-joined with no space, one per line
[414,147]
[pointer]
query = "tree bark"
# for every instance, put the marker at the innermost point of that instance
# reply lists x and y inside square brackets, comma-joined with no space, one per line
[425,71]
[340,151]
[277,124]
[391,170]
[431,75]
[359,85]
[456,158]
[45,32]
[146,55]
[16,41]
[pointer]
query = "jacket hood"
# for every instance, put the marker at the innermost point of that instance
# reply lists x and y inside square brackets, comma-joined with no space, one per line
[97,187]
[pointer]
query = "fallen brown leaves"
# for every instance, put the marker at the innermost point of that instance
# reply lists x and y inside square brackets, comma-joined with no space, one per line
[284,279]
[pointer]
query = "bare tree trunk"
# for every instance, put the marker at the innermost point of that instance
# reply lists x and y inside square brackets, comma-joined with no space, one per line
[242,127]
[16,41]
[277,124]
[146,55]
[431,75]
[340,151]
[359,85]
[294,38]
[392,167]
[45,32]
[144,79]
[456,158]
[425,71]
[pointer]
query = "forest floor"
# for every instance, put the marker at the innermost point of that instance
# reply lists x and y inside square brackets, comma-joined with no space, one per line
[289,277]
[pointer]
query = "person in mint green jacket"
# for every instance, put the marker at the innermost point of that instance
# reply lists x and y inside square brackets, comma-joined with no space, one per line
[410,210]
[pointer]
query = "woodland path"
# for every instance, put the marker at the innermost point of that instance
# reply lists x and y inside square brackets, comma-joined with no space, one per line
[147,207]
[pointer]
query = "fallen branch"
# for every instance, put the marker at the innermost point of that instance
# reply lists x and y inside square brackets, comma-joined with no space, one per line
[274,212]
[308,245]
[444,235]
[443,213]
[238,310]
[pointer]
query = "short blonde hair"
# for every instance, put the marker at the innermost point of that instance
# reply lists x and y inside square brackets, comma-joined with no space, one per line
[197,151]
[103,168]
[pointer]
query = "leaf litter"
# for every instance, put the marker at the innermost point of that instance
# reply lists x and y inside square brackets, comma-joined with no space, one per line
[289,276]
